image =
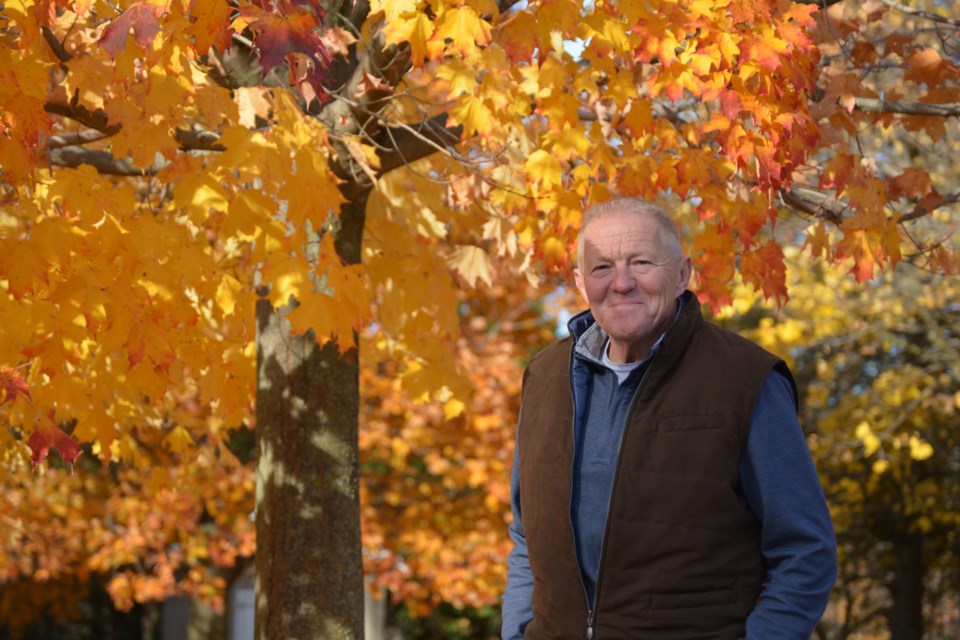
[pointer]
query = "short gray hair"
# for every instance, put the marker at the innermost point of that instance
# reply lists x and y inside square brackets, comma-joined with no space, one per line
[669,234]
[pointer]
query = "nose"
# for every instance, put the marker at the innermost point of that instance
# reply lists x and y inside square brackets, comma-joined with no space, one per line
[623,281]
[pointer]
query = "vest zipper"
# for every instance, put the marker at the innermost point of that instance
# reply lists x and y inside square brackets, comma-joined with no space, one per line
[591,609]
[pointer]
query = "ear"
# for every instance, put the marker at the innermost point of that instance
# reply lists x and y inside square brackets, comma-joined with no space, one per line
[683,279]
[578,279]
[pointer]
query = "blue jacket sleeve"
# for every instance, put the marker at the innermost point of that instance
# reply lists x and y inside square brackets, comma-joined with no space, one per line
[517,599]
[798,544]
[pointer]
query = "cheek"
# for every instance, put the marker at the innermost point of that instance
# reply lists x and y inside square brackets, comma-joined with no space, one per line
[592,291]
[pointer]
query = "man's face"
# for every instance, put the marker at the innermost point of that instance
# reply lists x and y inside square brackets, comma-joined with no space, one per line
[631,282]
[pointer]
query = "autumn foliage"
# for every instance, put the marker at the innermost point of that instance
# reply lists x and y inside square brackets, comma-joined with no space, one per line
[162,162]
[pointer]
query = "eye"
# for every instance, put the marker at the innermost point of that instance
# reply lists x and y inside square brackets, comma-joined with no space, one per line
[600,268]
[640,262]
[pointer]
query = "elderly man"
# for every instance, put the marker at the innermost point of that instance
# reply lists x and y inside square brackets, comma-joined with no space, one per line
[662,487]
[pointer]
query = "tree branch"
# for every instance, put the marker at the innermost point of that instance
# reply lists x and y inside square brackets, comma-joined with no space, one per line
[817,204]
[920,212]
[103,161]
[873,105]
[98,122]
[933,17]
[55,45]
[198,140]
[411,143]
[821,205]
[98,119]
[73,139]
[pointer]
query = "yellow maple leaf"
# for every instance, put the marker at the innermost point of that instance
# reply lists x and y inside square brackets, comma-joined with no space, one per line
[462,29]
[453,408]
[247,213]
[475,117]
[287,276]
[544,169]
[393,9]
[729,46]
[227,293]
[199,193]
[472,263]
[413,27]
[461,77]
[179,440]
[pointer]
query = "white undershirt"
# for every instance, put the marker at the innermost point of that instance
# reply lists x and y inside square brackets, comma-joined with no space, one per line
[622,370]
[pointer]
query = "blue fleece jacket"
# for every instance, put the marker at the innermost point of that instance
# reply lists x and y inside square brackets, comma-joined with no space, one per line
[778,480]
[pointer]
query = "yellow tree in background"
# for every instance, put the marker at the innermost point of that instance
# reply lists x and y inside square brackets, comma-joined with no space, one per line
[877,367]
[209,201]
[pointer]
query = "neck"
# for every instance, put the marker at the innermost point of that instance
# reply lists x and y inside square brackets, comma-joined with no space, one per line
[621,353]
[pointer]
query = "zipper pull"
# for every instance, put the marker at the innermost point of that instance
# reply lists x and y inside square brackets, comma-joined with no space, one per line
[589,625]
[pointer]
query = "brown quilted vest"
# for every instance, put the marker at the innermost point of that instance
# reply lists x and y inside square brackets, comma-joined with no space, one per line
[681,557]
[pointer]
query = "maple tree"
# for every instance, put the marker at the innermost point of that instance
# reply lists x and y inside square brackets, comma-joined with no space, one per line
[189,187]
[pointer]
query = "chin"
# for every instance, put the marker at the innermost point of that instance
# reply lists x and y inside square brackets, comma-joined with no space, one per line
[627,336]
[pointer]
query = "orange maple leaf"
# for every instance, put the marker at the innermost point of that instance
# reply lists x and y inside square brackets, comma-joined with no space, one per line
[142,17]
[911,183]
[818,240]
[856,244]
[210,24]
[11,385]
[927,66]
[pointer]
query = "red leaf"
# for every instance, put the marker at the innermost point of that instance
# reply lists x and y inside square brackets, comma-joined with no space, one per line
[48,435]
[763,267]
[11,385]
[142,17]
[279,35]
[730,103]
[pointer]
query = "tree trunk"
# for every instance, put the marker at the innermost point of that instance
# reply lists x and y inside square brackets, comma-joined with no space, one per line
[309,581]
[309,564]
[906,589]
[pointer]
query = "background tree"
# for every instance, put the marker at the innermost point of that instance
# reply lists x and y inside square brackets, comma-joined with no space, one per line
[877,365]
[162,162]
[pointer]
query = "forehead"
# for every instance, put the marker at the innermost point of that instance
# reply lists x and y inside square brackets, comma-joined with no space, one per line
[622,234]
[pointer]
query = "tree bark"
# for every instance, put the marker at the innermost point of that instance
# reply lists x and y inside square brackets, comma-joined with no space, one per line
[309,568]
[905,615]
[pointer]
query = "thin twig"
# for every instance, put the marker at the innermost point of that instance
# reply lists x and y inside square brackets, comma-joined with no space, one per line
[873,105]
[933,17]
